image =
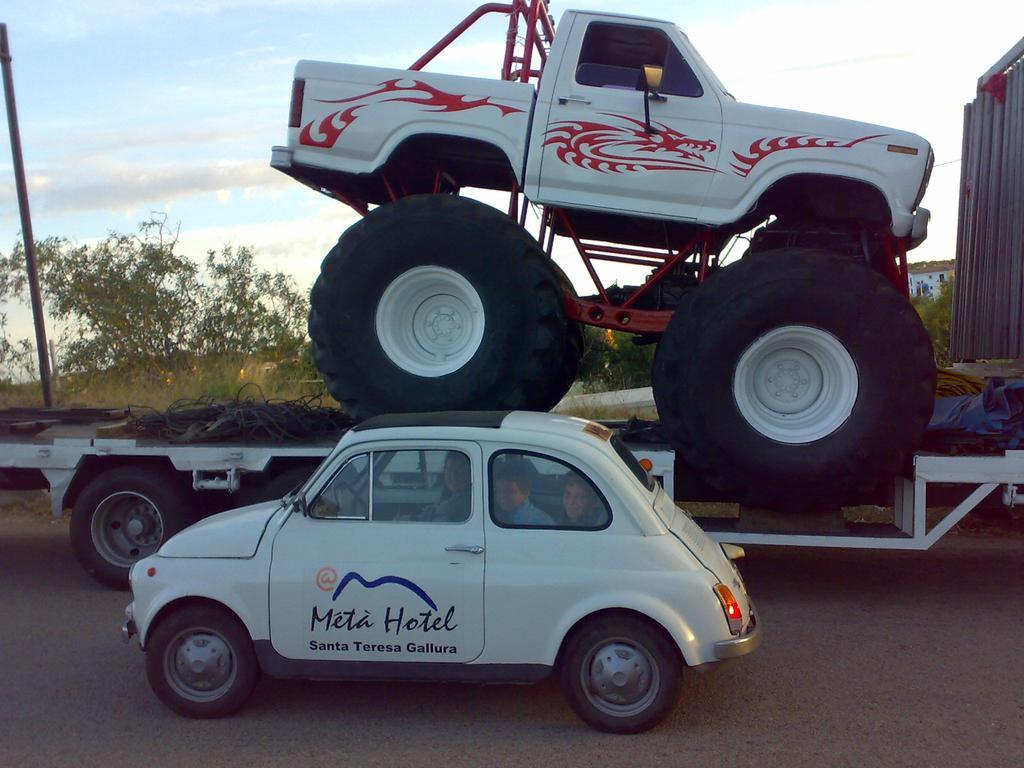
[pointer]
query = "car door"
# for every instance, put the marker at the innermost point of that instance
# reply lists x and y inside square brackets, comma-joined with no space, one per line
[387,562]
[594,147]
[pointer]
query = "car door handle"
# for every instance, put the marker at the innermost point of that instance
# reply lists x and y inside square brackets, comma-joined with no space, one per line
[473,549]
[576,99]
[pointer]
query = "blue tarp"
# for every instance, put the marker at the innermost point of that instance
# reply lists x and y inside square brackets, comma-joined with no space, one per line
[996,414]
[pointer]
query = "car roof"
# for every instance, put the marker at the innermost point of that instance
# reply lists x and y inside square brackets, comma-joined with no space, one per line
[486,419]
[527,421]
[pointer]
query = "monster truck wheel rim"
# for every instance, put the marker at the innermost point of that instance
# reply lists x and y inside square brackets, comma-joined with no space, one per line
[430,321]
[126,527]
[796,384]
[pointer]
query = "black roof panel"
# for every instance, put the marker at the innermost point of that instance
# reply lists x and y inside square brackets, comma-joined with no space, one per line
[491,419]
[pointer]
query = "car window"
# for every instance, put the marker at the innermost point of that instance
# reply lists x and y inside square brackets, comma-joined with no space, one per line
[407,486]
[347,495]
[533,491]
[422,486]
[614,55]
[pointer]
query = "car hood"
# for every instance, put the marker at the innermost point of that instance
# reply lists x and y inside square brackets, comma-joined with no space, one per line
[235,533]
[806,124]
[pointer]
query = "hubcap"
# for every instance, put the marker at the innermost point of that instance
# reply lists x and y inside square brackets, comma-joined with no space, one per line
[620,678]
[199,664]
[430,321]
[126,527]
[796,384]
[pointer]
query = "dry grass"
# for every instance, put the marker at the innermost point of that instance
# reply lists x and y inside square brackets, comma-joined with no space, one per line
[218,379]
[610,412]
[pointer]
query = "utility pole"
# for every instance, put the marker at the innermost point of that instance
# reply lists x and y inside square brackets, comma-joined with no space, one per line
[26,220]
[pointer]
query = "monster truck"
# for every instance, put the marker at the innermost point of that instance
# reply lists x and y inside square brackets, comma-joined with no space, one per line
[796,375]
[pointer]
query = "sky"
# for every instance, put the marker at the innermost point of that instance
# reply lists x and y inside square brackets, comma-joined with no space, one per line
[131,109]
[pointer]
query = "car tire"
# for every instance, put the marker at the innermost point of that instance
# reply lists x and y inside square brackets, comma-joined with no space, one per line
[200,662]
[438,302]
[794,379]
[122,516]
[621,674]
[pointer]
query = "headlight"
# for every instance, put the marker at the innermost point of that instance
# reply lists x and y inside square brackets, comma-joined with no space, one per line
[926,178]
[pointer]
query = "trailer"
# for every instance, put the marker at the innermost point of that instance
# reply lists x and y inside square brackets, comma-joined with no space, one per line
[128,494]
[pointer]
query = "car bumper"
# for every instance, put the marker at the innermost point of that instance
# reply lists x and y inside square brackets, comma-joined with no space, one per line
[129,629]
[919,229]
[742,645]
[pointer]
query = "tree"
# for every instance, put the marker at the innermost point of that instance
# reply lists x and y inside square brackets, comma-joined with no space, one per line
[133,303]
[612,361]
[936,314]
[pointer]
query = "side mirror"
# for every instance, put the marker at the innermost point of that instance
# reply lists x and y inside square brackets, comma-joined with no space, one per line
[652,83]
[652,79]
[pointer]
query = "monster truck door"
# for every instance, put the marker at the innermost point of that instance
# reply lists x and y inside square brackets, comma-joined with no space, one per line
[595,150]
[387,564]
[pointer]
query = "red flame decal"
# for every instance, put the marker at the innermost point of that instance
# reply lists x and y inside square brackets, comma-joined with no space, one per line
[762,148]
[325,133]
[616,148]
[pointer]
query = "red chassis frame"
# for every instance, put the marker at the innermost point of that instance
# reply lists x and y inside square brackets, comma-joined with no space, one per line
[518,66]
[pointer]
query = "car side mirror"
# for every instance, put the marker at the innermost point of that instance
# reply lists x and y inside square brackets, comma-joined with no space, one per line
[652,81]
[651,77]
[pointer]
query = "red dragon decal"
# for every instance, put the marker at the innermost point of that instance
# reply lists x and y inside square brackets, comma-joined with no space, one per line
[617,148]
[762,148]
[328,129]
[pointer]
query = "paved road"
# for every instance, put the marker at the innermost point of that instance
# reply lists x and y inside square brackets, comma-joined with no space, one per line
[870,659]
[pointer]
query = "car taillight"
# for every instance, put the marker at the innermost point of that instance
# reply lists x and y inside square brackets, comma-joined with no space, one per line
[733,612]
[295,112]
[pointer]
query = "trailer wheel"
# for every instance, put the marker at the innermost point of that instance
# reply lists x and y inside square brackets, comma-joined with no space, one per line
[437,302]
[794,377]
[123,516]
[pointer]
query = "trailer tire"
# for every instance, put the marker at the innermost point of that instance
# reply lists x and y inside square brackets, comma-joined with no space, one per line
[437,302]
[795,377]
[123,515]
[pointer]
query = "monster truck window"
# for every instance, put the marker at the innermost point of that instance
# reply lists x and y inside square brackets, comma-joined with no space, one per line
[613,56]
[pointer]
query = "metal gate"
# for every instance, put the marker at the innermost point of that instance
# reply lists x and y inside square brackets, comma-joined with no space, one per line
[988,321]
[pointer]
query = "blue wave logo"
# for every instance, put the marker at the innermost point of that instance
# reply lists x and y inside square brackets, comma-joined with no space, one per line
[351,576]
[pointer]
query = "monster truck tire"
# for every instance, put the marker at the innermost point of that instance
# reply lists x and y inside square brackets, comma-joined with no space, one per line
[795,377]
[437,302]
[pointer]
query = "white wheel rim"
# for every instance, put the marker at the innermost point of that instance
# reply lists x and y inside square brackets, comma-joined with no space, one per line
[430,321]
[796,384]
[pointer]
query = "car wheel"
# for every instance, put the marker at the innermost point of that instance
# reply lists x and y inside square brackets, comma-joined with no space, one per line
[437,302]
[621,675]
[123,516]
[200,662]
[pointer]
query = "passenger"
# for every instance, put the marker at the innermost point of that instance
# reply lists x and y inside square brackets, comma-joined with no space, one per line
[582,507]
[456,496]
[513,481]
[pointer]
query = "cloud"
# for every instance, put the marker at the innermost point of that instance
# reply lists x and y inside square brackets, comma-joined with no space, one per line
[294,246]
[121,187]
[59,19]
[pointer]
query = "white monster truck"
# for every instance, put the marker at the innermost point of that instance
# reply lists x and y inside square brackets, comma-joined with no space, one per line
[795,375]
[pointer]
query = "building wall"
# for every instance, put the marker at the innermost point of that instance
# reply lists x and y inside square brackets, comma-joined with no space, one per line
[929,283]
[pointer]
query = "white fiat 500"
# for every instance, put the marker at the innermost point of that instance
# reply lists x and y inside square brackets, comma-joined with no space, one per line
[490,547]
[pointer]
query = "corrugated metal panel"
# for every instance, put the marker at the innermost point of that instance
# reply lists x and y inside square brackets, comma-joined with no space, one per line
[988,321]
